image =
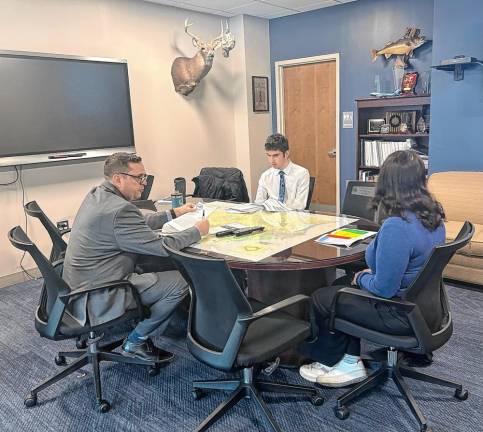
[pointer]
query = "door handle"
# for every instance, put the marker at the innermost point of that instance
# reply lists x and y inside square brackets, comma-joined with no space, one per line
[332,153]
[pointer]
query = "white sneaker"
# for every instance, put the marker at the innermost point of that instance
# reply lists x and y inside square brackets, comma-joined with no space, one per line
[343,374]
[311,371]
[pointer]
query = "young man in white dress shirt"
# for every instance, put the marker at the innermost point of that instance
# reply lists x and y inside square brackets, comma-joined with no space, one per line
[285,181]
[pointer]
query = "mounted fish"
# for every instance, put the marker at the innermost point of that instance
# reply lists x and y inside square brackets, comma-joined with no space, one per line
[403,48]
[187,72]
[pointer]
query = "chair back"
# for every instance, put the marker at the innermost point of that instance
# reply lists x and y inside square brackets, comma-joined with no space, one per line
[357,200]
[311,192]
[145,204]
[221,183]
[147,187]
[216,297]
[59,246]
[53,286]
[427,290]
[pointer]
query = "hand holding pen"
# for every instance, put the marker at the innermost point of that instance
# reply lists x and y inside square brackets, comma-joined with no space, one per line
[203,225]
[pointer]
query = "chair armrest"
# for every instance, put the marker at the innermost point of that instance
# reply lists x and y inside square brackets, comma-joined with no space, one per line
[123,283]
[274,308]
[403,305]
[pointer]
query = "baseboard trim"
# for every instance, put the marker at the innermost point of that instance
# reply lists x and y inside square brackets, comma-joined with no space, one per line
[19,277]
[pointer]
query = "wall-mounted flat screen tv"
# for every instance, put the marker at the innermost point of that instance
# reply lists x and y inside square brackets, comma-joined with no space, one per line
[62,106]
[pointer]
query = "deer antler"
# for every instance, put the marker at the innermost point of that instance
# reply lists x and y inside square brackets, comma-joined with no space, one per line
[195,39]
[218,41]
[228,41]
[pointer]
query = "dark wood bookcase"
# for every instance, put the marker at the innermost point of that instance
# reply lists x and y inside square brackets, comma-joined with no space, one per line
[377,108]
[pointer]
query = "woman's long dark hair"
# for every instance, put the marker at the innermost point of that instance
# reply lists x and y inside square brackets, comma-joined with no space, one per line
[401,187]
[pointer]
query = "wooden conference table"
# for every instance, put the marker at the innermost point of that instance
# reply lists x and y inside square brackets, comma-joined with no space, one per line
[299,268]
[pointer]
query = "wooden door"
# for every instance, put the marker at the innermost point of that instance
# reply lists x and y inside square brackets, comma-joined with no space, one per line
[309,113]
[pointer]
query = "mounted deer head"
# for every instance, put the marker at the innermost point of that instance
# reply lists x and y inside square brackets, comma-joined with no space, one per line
[188,72]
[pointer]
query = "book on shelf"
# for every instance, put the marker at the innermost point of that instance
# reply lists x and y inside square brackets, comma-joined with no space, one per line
[375,152]
[368,175]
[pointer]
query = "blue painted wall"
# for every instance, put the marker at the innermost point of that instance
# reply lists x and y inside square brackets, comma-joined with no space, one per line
[456,140]
[352,30]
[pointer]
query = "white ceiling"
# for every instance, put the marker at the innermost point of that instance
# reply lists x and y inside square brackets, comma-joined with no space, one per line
[260,8]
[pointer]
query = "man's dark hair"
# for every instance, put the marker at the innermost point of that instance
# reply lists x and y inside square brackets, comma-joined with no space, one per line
[118,163]
[401,187]
[276,142]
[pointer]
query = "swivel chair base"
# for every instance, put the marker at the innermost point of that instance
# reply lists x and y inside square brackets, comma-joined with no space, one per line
[393,369]
[94,355]
[247,387]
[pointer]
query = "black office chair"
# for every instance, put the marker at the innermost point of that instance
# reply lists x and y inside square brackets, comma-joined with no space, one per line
[425,305]
[58,243]
[52,322]
[147,188]
[144,202]
[311,192]
[231,333]
[221,183]
[357,200]
[357,203]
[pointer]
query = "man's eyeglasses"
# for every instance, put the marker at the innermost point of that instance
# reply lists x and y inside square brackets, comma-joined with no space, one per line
[141,178]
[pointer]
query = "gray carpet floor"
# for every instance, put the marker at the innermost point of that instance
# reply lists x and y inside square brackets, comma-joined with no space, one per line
[164,403]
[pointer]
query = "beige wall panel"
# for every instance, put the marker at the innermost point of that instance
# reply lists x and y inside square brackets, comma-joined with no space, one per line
[176,135]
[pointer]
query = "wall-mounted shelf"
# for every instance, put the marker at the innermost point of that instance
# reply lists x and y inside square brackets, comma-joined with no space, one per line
[457,65]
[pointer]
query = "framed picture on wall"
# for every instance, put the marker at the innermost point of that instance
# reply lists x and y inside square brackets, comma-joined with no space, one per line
[260,94]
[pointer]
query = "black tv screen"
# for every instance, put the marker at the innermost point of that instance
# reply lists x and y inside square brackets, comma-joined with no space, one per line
[52,104]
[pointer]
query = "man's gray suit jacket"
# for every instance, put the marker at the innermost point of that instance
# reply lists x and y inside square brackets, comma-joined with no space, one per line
[108,234]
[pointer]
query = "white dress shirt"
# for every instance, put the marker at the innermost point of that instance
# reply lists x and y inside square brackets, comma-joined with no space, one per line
[296,186]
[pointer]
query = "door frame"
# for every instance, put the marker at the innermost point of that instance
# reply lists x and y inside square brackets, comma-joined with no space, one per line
[279,67]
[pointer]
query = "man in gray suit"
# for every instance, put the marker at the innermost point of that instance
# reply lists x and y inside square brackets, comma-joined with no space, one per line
[108,235]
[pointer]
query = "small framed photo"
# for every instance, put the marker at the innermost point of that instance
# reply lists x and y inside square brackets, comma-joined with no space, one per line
[385,128]
[260,94]
[409,83]
[374,125]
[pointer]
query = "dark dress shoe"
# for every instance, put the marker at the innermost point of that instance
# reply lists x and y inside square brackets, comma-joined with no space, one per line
[145,350]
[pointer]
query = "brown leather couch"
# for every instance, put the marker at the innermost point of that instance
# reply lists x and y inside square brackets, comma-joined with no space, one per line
[461,194]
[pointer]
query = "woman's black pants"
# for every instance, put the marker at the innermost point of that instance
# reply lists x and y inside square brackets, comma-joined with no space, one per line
[329,347]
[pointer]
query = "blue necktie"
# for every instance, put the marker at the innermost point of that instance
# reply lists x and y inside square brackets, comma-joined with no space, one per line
[281,190]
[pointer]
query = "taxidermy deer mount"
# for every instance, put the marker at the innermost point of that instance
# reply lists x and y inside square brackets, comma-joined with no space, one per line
[188,72]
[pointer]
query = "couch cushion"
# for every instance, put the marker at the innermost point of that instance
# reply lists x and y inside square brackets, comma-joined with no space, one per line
[460,193]
[471,262]
[463,273]
[475,247]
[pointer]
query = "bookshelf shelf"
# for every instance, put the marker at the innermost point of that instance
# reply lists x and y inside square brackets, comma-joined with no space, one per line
[386,136]
[372,148]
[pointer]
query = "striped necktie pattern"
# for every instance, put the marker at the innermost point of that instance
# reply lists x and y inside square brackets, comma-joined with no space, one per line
[281,190]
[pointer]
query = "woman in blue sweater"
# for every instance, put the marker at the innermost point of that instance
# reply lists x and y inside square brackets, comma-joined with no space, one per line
[412,228]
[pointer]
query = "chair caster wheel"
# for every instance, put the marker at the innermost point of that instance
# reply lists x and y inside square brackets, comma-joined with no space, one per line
[81,344]
[153,371]
[104,406]
[342,413]
[461,394]
[30,400]
[60,360]
[197,394]
[317,399]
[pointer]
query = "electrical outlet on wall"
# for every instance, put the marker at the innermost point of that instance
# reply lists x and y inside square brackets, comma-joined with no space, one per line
[63,224]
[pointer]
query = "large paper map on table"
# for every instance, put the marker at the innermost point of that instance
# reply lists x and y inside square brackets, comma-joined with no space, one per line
[282,230]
